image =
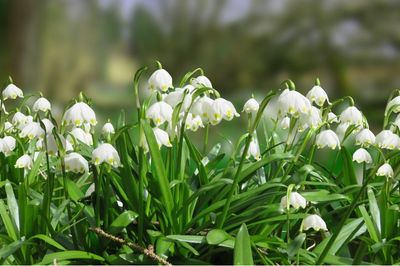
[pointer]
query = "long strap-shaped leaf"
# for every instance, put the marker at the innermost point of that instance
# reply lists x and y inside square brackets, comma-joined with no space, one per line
[159,169]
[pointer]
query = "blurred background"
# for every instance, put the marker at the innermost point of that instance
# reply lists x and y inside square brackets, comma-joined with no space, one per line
[63,47]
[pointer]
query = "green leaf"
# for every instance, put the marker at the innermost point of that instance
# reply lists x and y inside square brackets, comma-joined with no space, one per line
[374,209]
[159,168]
[74,191]
[122,221]
[188,238]
[296,244]
[349,231]
[12,204]
[10,227]
[48,240]
[242,251]
[369,223]
[70,255]
[322,196]
[9,249]
[217,236]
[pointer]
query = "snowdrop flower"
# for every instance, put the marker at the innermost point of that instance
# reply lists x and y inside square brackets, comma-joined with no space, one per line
[365,138]
[108,129]
[293,102]
[254,150]
[25,161]
[315,222]
[352,116]
[317,95]
[313,119]
[8,126]
[12,92]
[193,122]
[386,139]
[251,106]
[42,104]
[202,107]
[160,80]
[162,137]
[79,114]
[296,200]
[385,170]
[395,104]
[52,145]
[48,125]
[75,162]
[332,118]
[327,138]
[32,130]
[362,156]
[159,112]
[222,109]
[201,81]
[7,145]
[175,97]
[19,119]
[106,153]
[81,135]
[285,123]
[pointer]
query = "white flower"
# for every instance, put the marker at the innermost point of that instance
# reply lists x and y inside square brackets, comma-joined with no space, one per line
[202,107]
[75,162]
[395,104]
[254,150]
[193,122]
[352,116]
[365,138]
[385,170]
[108,129]
[25,161]
[32,130]
[79,114]
[8,126]
[327,138]
[42,104]
[315,222]
[52,145]
[162,137]
[175,97]
[221,109]
[293,102]
[159,112]
[317,95]
[12,92]
[3,108]
[251,106]
[313,119]
[160,80]
[19,119]
[7,145]
[332,118]
[362,156]
[81,135]
[106,153]
[48,125]
[201,81]
[285,123]
[296,200]
[386,139]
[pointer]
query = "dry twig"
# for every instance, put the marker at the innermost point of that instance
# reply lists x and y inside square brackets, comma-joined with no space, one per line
[148,252]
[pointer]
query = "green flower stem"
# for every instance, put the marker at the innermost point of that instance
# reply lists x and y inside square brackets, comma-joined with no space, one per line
[107,198]
[66,196]
[97,188]
[206,139]
[49,187]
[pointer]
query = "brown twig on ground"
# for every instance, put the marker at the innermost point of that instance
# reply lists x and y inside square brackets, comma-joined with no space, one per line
[149,252]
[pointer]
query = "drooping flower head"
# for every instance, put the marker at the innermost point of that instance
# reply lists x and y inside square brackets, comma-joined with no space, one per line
[315,222]
[42,104]
[385,170]
[362,156]
[25,161]
[78,114]
[365,138]
[293,103]
[317,95]
[159,113]
[296,201]
[327,138]
[160,80]
[76,163]
[12,92]
[106,153]
[251,106]
[201,81]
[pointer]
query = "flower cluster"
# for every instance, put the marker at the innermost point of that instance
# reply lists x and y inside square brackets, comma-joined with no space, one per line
[38,131]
